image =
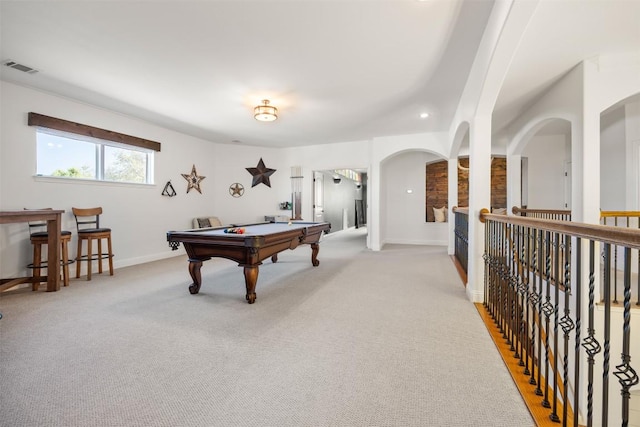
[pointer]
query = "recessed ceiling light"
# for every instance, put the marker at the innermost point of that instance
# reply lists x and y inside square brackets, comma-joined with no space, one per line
[424,115]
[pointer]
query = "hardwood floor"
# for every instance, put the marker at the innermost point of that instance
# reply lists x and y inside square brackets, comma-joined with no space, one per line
[539,413]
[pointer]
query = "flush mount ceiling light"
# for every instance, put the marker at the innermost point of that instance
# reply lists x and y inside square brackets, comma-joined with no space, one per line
[424,115]
[265,112]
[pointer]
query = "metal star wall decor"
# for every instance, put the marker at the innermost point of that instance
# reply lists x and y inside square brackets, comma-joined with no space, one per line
[193,180]
[261,174]
[236,189]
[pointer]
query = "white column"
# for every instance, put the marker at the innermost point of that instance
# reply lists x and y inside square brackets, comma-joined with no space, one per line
[479,198]
[373,222]
[587,189]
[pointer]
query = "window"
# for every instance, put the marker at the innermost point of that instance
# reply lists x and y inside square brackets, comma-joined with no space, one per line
[75,157]
[72,150]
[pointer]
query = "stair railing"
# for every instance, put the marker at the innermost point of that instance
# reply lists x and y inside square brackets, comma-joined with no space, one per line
[560,215]
[626,219]
[540,289]
[461,236]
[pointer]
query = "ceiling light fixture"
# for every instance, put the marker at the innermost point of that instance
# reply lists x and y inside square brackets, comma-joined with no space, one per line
[424,115]
[265,112]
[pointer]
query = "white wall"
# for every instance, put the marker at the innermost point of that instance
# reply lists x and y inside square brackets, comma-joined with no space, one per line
[346,155]
[382,149]
[546,157]
[632,136]
[404,213]
[613,174]
[138,214]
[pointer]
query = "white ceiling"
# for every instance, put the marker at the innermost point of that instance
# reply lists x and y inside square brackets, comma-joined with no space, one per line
[337,70]
[561,34]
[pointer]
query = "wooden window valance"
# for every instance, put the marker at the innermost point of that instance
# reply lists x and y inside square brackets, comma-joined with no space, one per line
[47,122]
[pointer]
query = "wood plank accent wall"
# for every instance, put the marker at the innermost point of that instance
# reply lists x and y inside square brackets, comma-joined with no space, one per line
[437,177]
[499,182]
[463,182]
[437,182]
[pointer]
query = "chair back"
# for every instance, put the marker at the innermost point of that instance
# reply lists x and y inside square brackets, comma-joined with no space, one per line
[87,218]
[38,227]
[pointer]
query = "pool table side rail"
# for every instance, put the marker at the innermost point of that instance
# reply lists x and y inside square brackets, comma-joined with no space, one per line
[203,236]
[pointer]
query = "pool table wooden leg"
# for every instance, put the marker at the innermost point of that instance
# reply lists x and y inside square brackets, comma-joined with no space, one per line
[250,279]
[194,270]
[315,248]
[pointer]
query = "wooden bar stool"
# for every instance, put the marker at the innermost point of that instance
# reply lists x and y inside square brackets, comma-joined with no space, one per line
[88,223]
[39,237]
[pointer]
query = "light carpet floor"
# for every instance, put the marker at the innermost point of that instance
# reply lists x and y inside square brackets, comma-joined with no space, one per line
[366,339]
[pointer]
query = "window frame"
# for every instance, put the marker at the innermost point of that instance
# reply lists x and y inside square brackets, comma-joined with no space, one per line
[101,138]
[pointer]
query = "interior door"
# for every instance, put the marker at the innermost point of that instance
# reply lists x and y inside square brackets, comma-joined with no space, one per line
[318,196]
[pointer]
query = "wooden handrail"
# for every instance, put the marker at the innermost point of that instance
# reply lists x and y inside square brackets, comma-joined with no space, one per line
[602,233]
[624,214]
[603,214]
[462,210]
[516,211]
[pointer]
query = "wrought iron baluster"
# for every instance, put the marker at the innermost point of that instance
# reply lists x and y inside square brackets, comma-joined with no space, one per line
[541,244]
[494,274]
[533,303]
[526,271]
[509,281]
[506,287]
[626,374]
[576,378]
[547,309]
[511,287]
[485,257]
[591,344]
[496,278]
[554,367]
[567,326]
[615,274]
[488,272]
[522,292]
[607,334]
[503,299]
[615,267]
[503,288]
[638,257]
[492,282]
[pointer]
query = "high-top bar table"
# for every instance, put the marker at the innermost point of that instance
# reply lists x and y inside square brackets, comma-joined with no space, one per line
[54,221]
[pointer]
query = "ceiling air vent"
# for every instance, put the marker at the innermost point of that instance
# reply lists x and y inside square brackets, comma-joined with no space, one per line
[19,67]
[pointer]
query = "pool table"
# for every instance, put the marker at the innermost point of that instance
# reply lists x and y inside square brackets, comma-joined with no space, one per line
[249,249]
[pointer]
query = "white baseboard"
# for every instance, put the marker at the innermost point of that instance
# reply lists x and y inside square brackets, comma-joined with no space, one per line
[474,296]
[416,242]
[147,258]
